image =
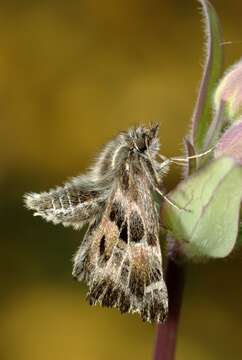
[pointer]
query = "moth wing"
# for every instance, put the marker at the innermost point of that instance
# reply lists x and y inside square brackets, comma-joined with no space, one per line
[74,204]
[120,257]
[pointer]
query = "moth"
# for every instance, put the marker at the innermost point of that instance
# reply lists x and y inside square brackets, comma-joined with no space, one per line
[120,257]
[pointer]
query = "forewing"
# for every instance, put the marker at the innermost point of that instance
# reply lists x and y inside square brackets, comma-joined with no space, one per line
[120,257]
[73,204]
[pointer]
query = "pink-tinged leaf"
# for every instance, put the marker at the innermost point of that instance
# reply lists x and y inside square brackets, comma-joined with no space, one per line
[203,112]
[230,143]
[229,91]
[215,128]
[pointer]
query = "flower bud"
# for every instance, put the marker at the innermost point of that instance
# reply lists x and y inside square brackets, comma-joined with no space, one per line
[229,91]
[230,143]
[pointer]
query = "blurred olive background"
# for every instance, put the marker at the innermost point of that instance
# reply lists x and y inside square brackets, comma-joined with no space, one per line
[72,75]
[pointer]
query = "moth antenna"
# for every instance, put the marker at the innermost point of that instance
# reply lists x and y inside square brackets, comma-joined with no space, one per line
[178,160]
[232,42]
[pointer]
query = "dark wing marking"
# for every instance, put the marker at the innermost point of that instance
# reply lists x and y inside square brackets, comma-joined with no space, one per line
[120,258]
[72,204]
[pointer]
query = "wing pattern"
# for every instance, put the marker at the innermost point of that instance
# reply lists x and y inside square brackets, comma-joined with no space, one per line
[120,258]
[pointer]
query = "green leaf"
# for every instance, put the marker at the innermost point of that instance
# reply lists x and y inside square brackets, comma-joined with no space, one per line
[203,112]
[212,196]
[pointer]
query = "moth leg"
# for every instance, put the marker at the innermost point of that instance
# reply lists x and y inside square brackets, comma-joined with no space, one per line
[168,161]
[71,205]
[165,164]
[178,159]
[155,187]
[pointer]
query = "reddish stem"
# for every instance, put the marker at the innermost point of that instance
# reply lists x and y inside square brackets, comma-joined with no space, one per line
[166,333]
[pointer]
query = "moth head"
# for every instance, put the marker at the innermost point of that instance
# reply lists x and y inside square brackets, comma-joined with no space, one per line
[143,139]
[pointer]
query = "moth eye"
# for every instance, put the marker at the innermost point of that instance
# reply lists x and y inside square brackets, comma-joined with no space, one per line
[141,145]
[142,148]
[142,142]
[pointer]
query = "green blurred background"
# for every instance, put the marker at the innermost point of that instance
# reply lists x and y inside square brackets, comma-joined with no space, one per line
[72,75]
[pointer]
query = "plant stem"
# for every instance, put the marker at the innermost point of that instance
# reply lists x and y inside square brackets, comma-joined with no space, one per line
[165,346]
